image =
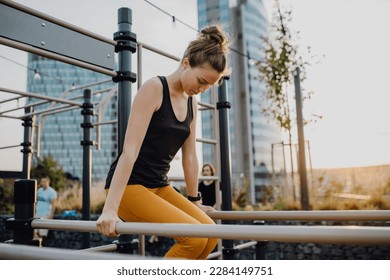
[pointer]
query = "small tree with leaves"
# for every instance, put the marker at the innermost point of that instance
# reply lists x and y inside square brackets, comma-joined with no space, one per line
[47,166]
[277,70]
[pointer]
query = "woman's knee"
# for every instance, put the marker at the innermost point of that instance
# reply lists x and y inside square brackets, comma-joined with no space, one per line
[196,244]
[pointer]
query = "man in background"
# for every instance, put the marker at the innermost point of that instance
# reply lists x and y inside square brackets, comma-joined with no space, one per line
[46,199]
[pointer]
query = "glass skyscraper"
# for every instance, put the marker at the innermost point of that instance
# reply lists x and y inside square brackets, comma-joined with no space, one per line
[60,133]
[251,134]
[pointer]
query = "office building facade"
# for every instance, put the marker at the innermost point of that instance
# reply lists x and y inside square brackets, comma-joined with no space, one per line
[61,133]
[251,134]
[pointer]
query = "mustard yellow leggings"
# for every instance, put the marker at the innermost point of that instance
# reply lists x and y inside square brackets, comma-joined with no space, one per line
[166,205]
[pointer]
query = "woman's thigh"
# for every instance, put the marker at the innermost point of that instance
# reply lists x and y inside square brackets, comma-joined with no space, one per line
[141,204]
[170,195]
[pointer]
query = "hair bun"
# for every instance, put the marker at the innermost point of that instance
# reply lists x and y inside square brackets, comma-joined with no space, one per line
[214,33]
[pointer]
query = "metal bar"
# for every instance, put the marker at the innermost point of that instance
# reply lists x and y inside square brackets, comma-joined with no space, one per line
[103,248]
[105,122]
[57,21]
[124,86]
[206,105]
[208,141]
[28,123]
[214,255]
[245,245]
[87,142]
[23,252]
[54,110]
[155,50]
[323,215]
[201,178]
[34,95]
[139,65]
[225,162]
[9,147]
[54,56]
[11,99]
[10,117]
[317,234]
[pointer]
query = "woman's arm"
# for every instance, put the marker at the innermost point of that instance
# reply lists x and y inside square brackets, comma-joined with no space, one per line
[190,161]
[146,102]
[189,157]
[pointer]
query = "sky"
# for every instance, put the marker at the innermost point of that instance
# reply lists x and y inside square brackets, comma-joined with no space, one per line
[349,83]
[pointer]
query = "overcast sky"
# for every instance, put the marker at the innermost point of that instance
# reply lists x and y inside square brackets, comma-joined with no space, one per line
[350,83]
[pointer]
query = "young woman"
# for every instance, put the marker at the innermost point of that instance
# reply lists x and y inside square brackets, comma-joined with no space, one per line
[207,187]
[163,120]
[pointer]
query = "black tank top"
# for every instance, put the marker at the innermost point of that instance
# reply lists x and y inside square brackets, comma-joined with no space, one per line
[163,139]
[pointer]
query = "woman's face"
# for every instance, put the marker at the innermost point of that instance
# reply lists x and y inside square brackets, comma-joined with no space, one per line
[198,79]
[206,171]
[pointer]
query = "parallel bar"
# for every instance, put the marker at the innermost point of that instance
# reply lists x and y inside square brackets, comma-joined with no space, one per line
[30,11]
[34,95]
[103,248]
[105,122]
[323,215]
[9,147]
[23,252]
[245,245]
[316,234]
[201,178]
[208,141]
[155,50]
[206,105]
[54,56]
[11,99]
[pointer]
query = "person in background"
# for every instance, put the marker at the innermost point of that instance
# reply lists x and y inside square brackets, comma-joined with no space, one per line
[162,121]
[207,187]
[46,203]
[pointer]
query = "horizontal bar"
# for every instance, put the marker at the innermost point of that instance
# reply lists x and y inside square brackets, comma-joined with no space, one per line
[202,178]
[58,57]
[245,245]
[208,141]
[155,50]
[24,252]
[34,95]
[57,21]
[11,99]
[103,248]
[323,215]
[10,117]
[316,234]
[105,122]
[9,147]
[206,105]
[214,255]
[55,110]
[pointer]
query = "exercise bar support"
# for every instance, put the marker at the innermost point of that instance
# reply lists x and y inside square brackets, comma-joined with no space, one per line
[126,45]
[25,197]
[87,112]
[223,105]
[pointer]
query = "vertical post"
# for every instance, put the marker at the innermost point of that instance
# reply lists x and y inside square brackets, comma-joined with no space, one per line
[25,197]
[126,45]
[87,142]
[224,137]
[301,142]
[261,246]
[28,124]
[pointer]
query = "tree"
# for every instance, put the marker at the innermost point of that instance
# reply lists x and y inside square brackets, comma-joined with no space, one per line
[49,167]
[277,69]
